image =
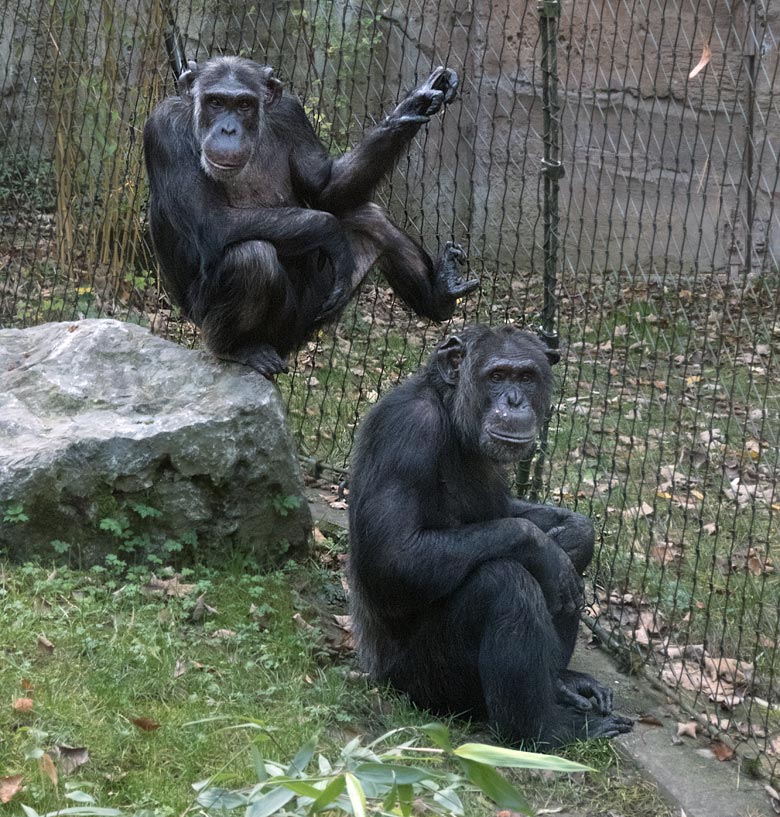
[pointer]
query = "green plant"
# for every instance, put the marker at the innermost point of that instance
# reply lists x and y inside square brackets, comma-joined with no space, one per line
[382,781]
[284,504]
[15,514]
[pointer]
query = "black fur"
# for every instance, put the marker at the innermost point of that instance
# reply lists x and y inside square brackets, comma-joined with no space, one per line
[260,234]
[463,596]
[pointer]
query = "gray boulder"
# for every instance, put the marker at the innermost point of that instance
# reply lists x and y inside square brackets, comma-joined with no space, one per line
[113,441]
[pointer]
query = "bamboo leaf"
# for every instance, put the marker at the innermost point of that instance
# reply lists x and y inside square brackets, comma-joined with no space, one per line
[517,759]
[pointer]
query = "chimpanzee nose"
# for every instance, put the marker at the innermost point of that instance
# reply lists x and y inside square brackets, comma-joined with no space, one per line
[228,131]
[514,398]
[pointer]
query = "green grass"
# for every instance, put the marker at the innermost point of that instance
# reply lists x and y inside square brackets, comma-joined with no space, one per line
[116,650]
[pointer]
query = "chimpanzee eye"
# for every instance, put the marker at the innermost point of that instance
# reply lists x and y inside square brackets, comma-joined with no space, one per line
[498,376]
[215,102]
[526,377]
[245,106]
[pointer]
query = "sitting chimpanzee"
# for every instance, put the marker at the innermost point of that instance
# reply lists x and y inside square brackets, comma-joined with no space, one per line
[464,597]
[260,234]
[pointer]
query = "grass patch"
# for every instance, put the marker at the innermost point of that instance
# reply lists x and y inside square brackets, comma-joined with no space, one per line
[150,686]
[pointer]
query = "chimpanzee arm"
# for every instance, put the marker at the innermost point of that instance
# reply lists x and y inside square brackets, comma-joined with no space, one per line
[352,178]
[405,557]
[213,225]
[571,531]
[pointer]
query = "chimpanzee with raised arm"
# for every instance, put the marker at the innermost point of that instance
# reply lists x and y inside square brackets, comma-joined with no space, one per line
[262,236]
[463,596]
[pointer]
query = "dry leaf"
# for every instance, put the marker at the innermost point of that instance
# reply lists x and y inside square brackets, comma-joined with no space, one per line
[184,665]
[774,797]
[721,751]
[70,757]
[47,767]
[649,720]
[338,504]
[201,609]
[44,644]
[147,724]
[687,729]
[773,746]
[173,587]
[27,685]
[302,624]
[223,633]
[22,705]
[345,622]
[318,536]
[9,786]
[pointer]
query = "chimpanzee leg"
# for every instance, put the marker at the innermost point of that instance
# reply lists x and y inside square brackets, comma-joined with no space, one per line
[250,299]
[492,651]
[431,288]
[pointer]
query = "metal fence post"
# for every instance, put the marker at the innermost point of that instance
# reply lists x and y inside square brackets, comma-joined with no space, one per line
[552,171]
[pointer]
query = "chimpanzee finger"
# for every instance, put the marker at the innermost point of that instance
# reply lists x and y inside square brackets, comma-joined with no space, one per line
[459,290]
[603,698]
[435,101]
[445,80]
[568,697]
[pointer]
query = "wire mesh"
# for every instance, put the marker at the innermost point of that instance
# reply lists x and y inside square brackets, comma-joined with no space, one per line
[666,428]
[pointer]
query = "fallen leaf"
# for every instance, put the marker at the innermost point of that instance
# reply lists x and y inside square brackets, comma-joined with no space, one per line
[721,751]
[27,685]
[649,720]
[774,797]
[9,786]
[338,504]
[70,757]
[201,609]
[302,624]
[172,587]
[184,665]
[223,633]
[318,536]
[687,729]
[44,644]
[345,622]
[47,767]
[147,724]
[22,705]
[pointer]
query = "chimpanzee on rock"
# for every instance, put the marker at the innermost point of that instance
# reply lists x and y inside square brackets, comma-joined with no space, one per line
[464,597]
[260,234]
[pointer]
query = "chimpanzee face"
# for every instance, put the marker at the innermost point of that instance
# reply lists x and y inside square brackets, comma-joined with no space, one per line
[231,96]
[502,382]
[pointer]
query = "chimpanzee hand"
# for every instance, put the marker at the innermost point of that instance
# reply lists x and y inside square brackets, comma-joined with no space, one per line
[583,692]
[562,586]
[427,99]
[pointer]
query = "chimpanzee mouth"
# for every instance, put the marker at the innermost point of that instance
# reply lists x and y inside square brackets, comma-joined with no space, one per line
[221,167]
[512,439]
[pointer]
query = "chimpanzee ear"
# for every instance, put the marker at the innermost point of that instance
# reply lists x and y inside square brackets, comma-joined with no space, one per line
[553,356]
[273,87]
[449,356]
[187,79]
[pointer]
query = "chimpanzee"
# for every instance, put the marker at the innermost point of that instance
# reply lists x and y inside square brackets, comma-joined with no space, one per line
[462,596]
[260,234]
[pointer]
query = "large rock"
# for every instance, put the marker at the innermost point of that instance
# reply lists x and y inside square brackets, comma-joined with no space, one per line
[115,441]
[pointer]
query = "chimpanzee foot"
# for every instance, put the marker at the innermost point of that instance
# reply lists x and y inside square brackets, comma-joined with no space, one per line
[608,727]
[262,357]
[448,282]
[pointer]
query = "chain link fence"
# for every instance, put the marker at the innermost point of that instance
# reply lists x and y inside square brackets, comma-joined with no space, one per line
[658,268]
